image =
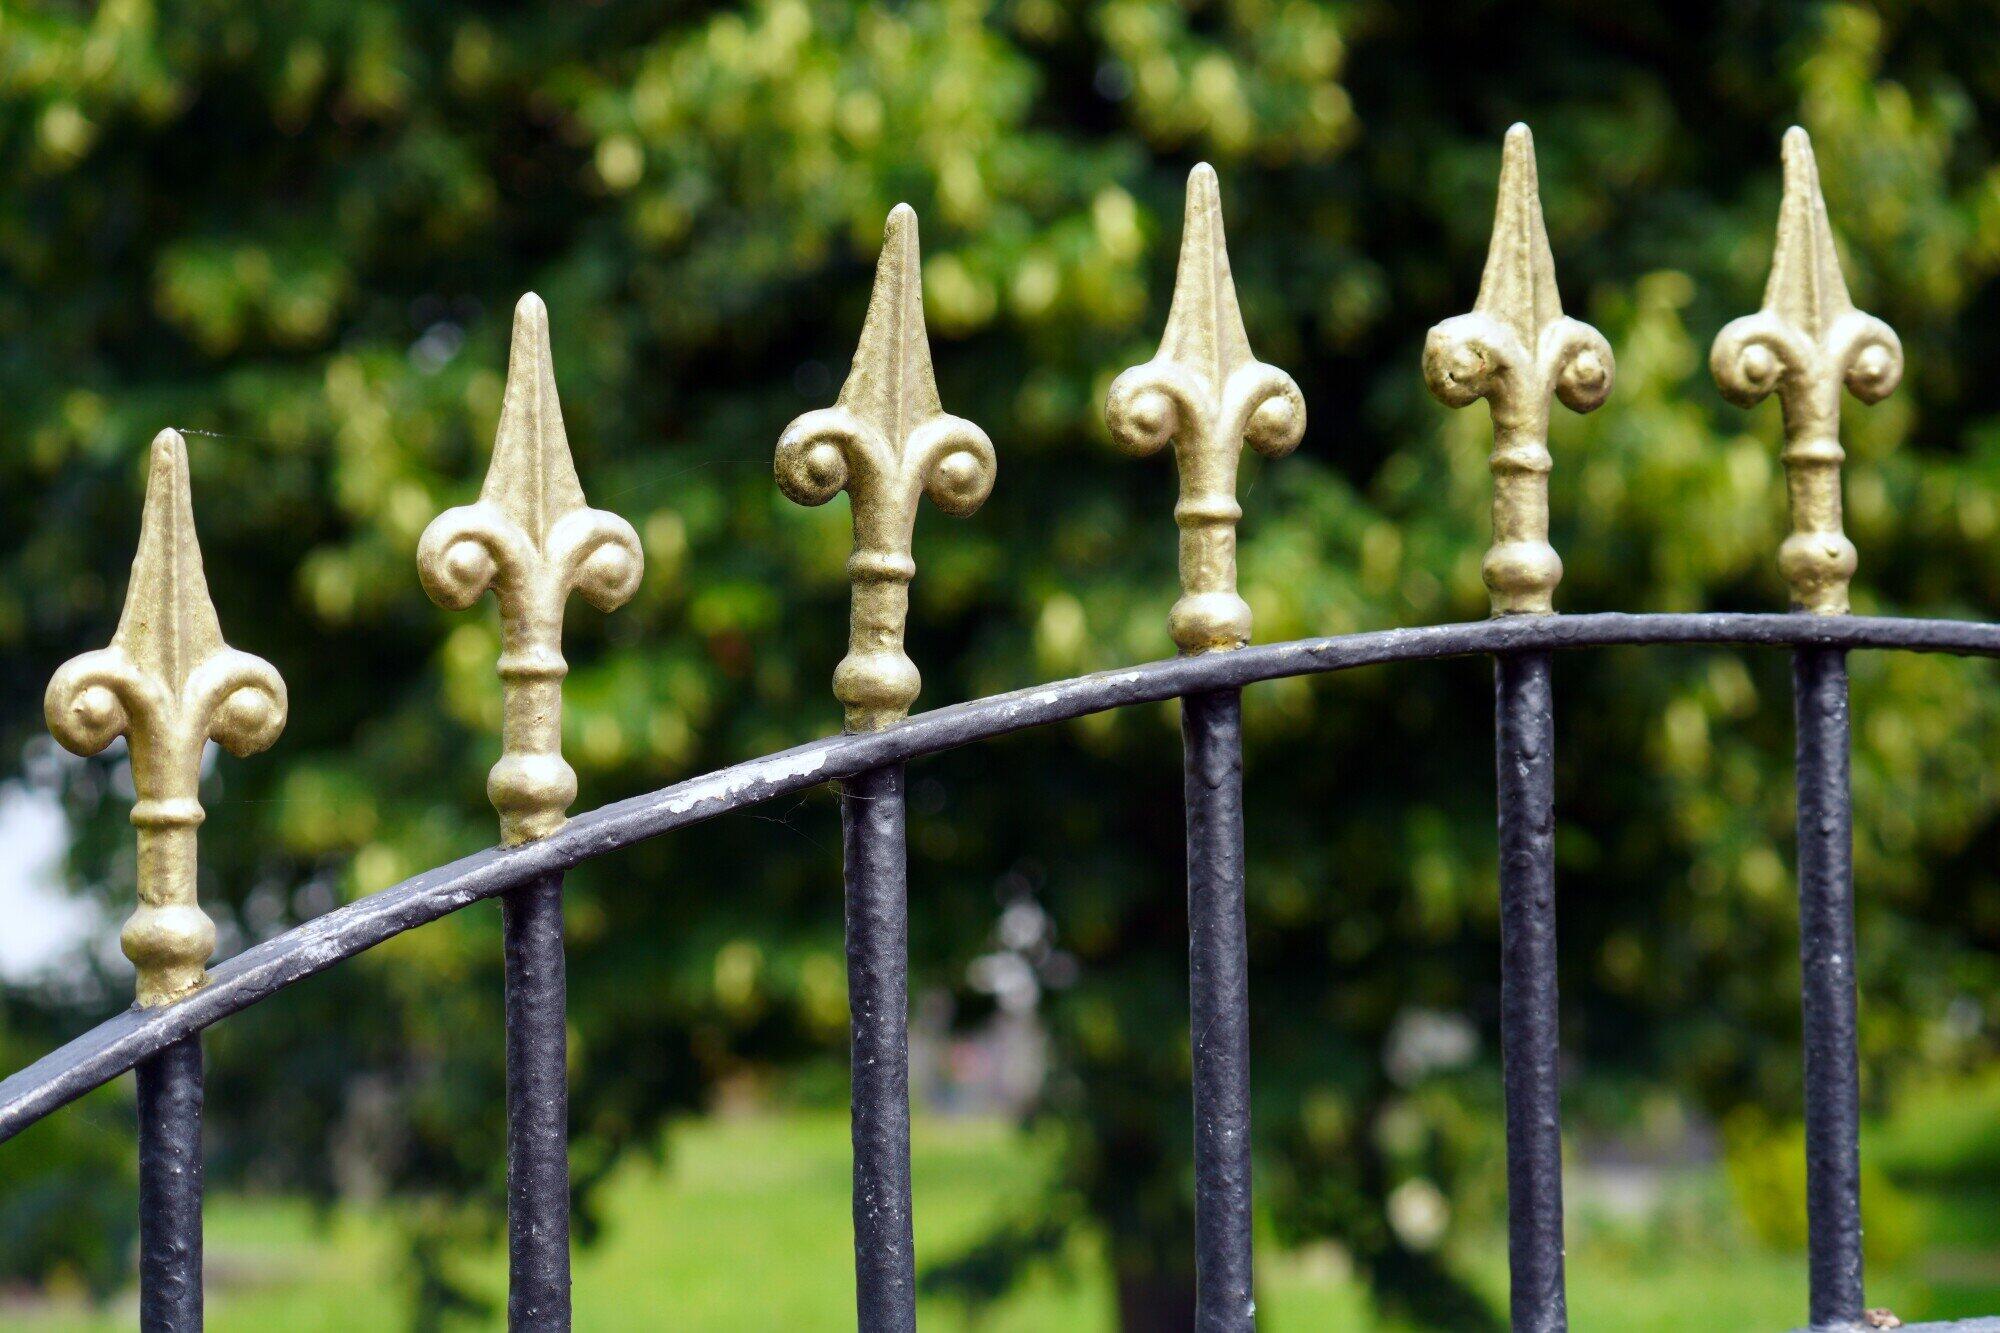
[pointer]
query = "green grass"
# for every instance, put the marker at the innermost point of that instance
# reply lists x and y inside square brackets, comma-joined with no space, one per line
[746,1226]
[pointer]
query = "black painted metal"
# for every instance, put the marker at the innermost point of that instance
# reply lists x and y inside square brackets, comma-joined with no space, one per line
[878,998]
[1963,1325]
[1218,1010]
[1826,955]
[1531,1056]
[537,1107]
[119,1043]
[170,1175]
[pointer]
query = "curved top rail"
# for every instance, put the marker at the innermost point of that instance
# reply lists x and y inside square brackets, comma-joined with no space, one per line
[120,1042]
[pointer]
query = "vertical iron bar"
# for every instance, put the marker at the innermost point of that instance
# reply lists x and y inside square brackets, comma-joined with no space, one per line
[1530,1047]
[878,997]
[1826,957]
[537,1107]
[1218,1010]
[170,1183]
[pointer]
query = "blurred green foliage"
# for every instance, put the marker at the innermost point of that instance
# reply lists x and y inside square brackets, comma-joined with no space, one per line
[1767,1179]
[69,1195]
[299,228]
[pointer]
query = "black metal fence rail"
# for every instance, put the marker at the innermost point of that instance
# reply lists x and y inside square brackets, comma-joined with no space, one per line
[537,1105]
[1524,738]
[876,871]
[1218,1007]
[162,1043]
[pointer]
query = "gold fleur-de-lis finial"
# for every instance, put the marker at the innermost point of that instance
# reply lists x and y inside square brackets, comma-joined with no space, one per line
[1518,350]
[1206,392]
[1805,343]
[532,540]
[886,441]
[168,684]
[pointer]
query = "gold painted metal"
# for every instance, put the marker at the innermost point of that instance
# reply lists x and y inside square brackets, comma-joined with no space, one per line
[1806,342]
[1206,392]
[532,540]
[169,685]
[1517,350]
[886,441]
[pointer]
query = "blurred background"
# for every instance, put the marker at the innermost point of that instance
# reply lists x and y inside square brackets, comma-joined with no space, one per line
[296,231]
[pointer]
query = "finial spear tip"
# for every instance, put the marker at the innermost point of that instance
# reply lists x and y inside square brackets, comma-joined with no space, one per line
[1519,282]
[169,505]
[531,334]
[169,502]
[166,471]
[1801,167]
[1518,173]
[891,384]
[168,624]
[1204,323]
[898,263]
[531,475]
[899,241]
[1204,210]
[528,350]
[529,354]
[1806,284]
[901,261]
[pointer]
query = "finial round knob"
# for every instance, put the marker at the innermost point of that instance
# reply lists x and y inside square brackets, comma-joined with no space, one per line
[95,717]
[958,482]
[249,720]
[1272,421]
[1150,420]
[469,564]
[1875,373]
[826,468]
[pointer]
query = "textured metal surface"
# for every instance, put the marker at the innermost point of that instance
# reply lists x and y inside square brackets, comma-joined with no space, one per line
[886,441]
[878,999]
[1218,1010]
[1826,955]
[1531,1056]
[168,684]
[1963,1325]
[1210,396]
[1518,350]
[1805,343]
[537,1107]
[115,1045]
[170,1179]
[531,540]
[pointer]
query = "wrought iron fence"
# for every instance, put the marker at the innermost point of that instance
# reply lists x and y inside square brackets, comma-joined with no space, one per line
[168,684]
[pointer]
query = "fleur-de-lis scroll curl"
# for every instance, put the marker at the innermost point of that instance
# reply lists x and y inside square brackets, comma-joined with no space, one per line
[531,540]
[886,441]
[1806,343]
[1206,393]
[169,685]
[1517,350]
